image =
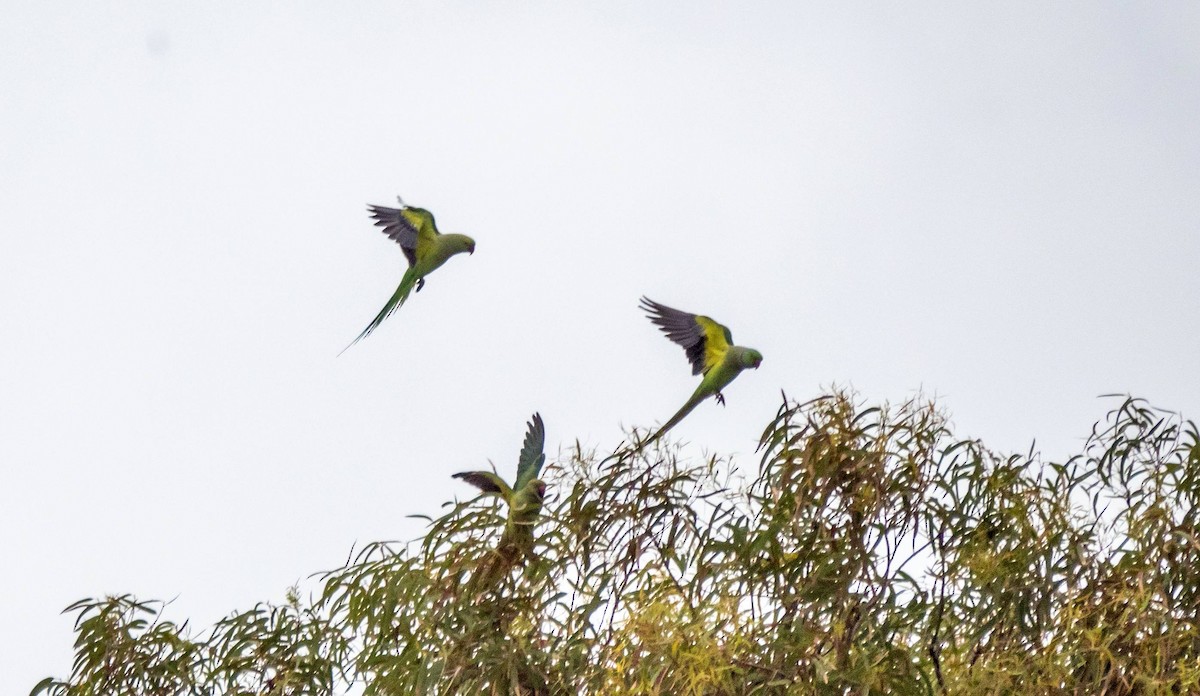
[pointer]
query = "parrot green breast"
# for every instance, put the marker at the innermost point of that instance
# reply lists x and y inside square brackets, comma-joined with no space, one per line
[721,375]
[439,250]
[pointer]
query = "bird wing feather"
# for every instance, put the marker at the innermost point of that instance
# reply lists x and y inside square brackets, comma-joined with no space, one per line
[486,481]
[398,227]
[532,453]
[427,234]
[717,340]
[704,341]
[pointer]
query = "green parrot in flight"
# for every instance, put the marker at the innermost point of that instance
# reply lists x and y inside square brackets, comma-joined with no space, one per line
[425,248]
[709,347]
[524,499]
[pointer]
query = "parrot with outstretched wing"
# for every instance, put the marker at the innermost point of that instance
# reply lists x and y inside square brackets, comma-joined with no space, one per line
[709,347]
[524,499]
[425,248]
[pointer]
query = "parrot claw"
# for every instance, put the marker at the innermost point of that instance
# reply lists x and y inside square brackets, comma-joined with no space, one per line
[420,284]
[720,399]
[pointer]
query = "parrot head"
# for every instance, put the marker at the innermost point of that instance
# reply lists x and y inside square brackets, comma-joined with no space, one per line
[530,497]
[751,358]
[460,243]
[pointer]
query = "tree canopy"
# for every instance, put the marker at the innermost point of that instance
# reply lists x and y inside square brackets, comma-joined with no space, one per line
[867,551]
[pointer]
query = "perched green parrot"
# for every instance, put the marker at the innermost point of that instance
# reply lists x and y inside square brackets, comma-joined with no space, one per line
[524,499]
[709,347]
[425,248]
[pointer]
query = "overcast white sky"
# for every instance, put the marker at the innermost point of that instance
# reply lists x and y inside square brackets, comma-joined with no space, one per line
[997,205]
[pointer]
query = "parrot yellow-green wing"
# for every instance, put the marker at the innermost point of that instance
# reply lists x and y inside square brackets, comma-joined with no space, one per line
[426,230]
[529,465]
[487,482]
[704,341]
[398,227]
[717,340]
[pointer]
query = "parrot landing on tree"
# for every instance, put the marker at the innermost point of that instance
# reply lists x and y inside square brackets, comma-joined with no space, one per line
[524,499]
[709,347]
[425,248]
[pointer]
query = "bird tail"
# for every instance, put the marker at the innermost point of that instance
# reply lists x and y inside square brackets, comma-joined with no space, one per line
[497,565]
[395,302]
[694,401]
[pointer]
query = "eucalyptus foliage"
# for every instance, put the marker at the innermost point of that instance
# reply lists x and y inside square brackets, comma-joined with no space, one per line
[869,552]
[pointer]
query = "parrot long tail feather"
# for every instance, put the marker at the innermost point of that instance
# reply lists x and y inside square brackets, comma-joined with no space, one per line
[395,302]
[499,562]
[691,404]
